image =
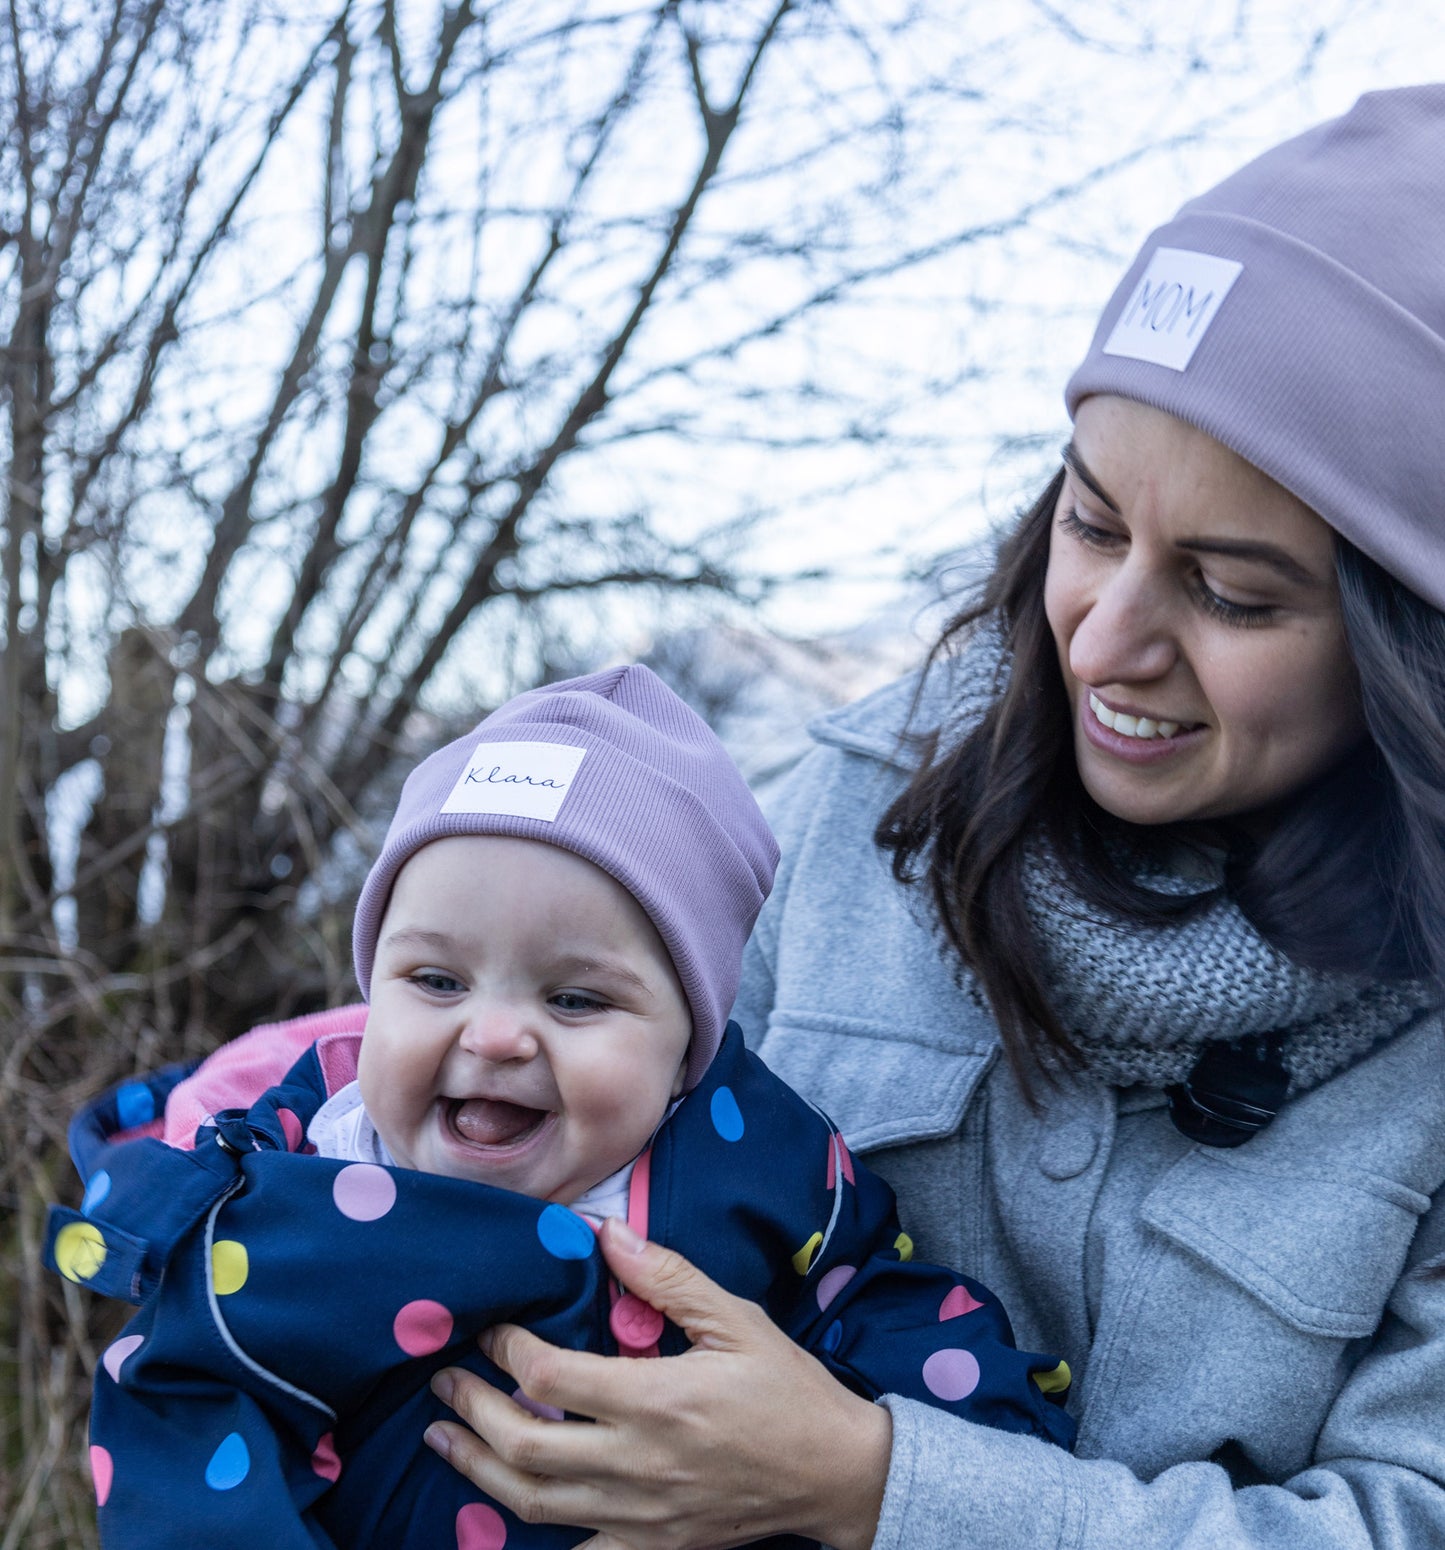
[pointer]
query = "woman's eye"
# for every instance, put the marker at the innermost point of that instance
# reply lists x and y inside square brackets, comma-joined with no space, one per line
[1086,532]
[1239,615]
[438,983]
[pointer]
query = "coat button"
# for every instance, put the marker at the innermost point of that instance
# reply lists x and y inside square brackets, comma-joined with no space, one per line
[1068,1148]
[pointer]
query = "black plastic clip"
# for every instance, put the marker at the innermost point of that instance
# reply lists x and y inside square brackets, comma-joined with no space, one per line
[1233,1092]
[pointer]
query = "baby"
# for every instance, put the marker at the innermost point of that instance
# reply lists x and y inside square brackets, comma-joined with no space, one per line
[549,942]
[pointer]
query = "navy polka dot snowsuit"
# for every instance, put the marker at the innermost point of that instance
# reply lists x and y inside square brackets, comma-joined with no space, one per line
[273,1387]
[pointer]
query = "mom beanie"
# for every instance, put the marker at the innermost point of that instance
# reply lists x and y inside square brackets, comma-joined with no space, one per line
[1296,313]
[615,767]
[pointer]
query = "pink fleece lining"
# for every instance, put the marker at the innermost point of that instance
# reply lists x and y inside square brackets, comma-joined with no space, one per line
[239,1072]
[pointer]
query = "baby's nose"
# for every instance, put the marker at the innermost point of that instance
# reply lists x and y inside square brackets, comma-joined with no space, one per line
[500,1033]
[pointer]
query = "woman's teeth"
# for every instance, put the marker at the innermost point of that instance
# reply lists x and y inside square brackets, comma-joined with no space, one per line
[1131,726]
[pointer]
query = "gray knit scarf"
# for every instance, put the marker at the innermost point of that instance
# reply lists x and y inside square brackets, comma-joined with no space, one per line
[1141,1002]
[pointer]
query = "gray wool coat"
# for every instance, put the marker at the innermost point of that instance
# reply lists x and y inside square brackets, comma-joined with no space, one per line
[1257,1336]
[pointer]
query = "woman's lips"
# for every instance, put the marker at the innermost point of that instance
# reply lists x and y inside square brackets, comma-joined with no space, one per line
[1153,747]
[494,1122]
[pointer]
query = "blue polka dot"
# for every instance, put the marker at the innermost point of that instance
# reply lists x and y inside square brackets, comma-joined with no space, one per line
[95,1192]
[832,1335]
[727,1118]
[565,1235]
[230,1464]
[135,1104]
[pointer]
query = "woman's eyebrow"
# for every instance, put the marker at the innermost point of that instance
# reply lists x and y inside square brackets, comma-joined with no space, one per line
[1076,466]
[1277,559]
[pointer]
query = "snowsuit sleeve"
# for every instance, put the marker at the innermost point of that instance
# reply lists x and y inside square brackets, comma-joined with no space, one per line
[758,1189]
[885,1323]
[179,1419]
[274,1388]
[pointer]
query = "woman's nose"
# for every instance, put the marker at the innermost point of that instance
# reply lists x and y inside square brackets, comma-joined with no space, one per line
[1126,632]
[499,1033]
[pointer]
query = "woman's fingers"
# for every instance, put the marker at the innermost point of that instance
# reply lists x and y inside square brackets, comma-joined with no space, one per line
[522,1441]
[600,1386]
[707,1314]
[534,1498]
[515,1456]
[578,1381]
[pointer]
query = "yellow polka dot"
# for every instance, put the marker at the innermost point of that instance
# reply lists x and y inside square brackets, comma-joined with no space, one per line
[1056,1380]
[230,1265]
[79,1250]
[804,1257]
[904,1244]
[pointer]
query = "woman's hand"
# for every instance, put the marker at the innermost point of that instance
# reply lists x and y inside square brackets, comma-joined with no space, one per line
[745,1435]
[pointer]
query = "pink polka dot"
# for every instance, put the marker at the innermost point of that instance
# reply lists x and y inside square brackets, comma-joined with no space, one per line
[547,1412]
[116,1353]
[480,1527]
[290,1128]
[102,1472]
[956,1304]
[951,1374]
[364,1191]
[325,1461]
[831,1284]
[421,1327]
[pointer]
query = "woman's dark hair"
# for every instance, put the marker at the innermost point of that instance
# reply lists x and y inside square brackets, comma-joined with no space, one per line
[1350,876]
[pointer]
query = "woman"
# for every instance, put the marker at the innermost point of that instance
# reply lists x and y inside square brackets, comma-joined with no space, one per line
[1175,848]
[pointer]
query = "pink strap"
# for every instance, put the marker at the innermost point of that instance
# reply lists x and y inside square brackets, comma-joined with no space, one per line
[636,1325]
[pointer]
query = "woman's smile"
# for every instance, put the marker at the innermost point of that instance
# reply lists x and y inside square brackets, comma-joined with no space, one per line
[1137,739]
[1134,723]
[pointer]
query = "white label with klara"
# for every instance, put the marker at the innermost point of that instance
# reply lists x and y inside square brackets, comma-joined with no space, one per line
[1169,311]
[518,780]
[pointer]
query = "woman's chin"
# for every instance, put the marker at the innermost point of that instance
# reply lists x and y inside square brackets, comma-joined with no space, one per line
[1139,799]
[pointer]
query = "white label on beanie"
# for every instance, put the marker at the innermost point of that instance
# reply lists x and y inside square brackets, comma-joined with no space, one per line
[518,780]
[1172,306]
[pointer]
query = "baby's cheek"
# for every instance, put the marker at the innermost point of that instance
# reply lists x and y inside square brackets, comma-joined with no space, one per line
[365,1078]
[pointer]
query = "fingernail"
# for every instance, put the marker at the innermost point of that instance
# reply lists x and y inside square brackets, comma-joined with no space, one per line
[443,1385]
[436,1439]
[485,1341]
[625,1237]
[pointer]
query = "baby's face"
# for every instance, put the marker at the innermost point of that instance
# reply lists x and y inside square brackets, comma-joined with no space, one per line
[527,1027]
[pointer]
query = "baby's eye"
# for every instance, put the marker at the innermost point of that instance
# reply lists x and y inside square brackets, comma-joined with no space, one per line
[437,982]
[576,1001]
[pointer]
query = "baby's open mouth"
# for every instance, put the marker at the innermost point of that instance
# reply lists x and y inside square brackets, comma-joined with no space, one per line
[494,1121]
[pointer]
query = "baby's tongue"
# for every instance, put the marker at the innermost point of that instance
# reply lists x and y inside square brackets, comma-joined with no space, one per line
[493,1122]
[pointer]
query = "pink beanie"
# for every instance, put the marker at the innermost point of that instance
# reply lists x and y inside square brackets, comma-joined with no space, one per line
[614,767]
